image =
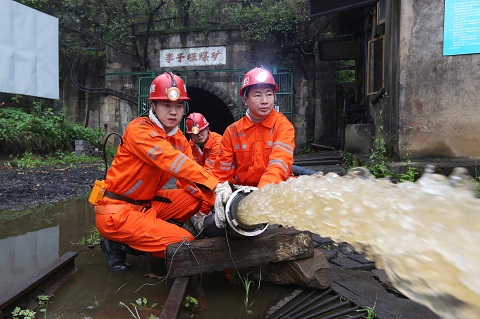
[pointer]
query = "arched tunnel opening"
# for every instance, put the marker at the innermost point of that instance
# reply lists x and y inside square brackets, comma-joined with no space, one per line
[212,107]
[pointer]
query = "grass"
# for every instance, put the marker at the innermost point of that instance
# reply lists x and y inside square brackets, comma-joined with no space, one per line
[29,160]
[370,312]
[140,304]
[92,240]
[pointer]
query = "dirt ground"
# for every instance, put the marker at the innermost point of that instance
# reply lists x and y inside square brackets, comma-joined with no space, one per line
[30,187]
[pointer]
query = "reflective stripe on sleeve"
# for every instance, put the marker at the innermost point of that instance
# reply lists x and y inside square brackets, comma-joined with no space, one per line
[283,146]
[178,163]
[154,152]
[226,166]
[279,163]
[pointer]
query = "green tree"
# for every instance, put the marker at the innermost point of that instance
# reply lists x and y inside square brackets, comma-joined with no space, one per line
[89,27]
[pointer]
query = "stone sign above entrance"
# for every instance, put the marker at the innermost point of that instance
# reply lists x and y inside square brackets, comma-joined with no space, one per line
[200,56]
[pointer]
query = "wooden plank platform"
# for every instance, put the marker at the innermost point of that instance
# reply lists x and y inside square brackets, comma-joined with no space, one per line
[216,254]
[175,298]
[46,281]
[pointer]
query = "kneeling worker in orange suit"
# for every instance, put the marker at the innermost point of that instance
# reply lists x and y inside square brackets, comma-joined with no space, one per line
[135,215]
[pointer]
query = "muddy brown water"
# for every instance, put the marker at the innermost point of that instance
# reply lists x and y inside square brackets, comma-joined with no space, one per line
[425,234]
[32,238]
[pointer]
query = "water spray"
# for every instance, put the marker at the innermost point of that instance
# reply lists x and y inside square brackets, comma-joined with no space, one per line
[424,235]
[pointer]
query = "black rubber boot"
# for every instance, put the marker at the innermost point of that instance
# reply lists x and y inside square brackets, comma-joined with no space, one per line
[131,251]
[116,257]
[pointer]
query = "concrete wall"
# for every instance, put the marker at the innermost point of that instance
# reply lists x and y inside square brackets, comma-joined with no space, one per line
[113,113]
[438,95]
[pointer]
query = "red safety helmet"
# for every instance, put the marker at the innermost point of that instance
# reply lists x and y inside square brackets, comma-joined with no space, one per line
[168,86]
[257,76]
[195,122]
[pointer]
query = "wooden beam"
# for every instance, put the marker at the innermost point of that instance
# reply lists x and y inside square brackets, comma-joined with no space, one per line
[219,253]
[46,281]
[175,298]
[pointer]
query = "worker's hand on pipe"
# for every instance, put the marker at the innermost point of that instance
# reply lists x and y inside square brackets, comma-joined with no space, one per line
[198,220]
[222,191]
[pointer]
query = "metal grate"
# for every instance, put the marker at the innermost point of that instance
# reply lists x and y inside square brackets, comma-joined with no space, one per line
[314,304]
[144,83]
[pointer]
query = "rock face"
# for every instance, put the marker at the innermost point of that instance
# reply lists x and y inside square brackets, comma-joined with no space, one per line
[313,272]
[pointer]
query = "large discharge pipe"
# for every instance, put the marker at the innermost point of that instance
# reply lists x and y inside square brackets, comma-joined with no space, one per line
[237,228]
[234,227]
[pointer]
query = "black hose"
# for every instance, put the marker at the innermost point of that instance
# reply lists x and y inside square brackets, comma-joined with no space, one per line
[299,170]
[76,83]
[105,147]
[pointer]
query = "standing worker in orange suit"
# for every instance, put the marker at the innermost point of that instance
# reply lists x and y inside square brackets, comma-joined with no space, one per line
[135,214]
[257,149]
[204,143]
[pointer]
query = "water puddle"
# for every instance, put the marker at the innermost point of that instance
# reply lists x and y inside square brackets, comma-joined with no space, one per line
[425,235]
[33,238]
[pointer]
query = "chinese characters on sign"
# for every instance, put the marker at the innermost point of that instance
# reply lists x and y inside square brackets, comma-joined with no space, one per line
[461,34]
[193,56]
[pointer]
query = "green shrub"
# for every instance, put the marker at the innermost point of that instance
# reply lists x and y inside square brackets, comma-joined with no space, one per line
[41,132]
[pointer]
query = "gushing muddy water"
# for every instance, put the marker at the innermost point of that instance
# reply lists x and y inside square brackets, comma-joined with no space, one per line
[425,235]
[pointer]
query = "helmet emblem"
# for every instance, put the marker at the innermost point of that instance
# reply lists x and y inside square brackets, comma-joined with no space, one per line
[152,88]
[246,80]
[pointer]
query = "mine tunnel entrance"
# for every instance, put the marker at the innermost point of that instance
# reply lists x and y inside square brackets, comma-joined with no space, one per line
[215,110]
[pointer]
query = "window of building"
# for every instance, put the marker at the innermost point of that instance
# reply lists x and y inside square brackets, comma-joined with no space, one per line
[375,66]
[381,11]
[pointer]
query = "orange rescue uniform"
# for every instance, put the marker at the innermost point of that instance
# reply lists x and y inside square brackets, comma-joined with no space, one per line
[145,161]
[256,154]
[211,149]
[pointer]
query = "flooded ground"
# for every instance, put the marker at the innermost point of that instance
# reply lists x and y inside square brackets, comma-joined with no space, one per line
[32,238]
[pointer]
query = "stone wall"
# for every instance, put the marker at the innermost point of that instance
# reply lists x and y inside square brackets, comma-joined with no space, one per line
[114,114]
